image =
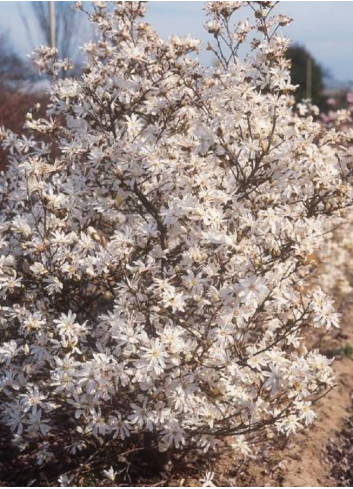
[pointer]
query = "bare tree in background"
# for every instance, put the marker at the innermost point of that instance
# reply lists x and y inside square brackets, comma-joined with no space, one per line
[70,27]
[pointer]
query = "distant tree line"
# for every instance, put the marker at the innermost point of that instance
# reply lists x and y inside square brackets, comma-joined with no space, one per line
[302,62]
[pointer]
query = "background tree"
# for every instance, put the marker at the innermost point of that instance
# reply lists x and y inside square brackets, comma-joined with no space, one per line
[14,70]
[69,27]
[299,57]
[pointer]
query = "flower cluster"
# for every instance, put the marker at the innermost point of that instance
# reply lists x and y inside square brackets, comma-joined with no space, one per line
[155,231]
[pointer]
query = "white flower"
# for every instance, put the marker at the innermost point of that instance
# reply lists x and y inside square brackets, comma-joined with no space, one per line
[207,480]
[20,225]
[10,283]
[175,301]
[274,379]
[141,416]
[289,425]
[133,125]
[67,326]
[252,289]
[305,412]
[240,445]
[110,474]
[7,351]
[54,285]
[64,480]
[32,400]
[154,357]
[38,268]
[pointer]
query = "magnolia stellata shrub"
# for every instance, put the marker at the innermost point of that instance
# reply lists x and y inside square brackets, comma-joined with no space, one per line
[335,259]
[335,256]
[155,234]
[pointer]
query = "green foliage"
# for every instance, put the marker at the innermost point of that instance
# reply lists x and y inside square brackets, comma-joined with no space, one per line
[344,351]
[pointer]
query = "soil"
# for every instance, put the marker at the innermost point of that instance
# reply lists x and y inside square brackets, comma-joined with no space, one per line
[341,456]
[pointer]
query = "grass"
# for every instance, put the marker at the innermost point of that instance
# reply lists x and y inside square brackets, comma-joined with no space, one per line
[344,351]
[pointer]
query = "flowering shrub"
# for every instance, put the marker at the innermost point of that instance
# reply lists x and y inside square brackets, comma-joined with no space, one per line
[155,233]
[335,259]
[335,256]
[340,112]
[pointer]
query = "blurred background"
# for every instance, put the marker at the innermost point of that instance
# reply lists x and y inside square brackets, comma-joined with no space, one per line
[321,50]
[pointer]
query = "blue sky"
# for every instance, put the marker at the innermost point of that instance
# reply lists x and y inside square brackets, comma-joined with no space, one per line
[324,28]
